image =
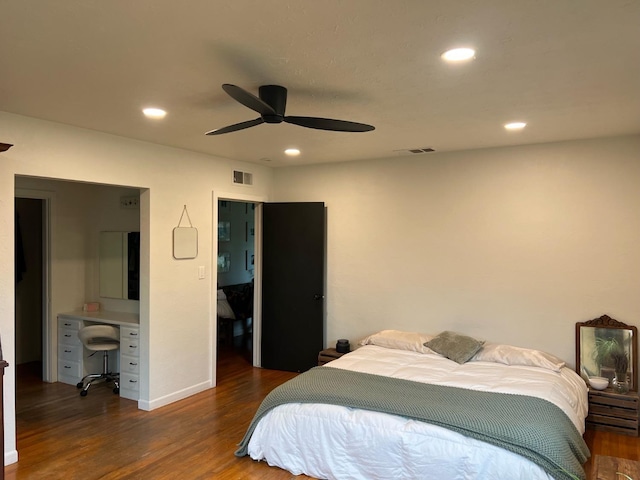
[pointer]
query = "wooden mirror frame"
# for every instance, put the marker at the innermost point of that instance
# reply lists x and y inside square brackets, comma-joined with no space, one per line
[606,321]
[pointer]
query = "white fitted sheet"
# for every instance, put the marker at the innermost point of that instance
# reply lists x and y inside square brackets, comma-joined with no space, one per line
[333,442]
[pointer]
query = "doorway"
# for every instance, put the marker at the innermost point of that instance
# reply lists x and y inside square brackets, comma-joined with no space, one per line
[30,287]
[296,279]
[235,280]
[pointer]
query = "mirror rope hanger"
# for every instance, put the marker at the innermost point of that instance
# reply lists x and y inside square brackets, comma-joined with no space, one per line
[184,210]
[185,239]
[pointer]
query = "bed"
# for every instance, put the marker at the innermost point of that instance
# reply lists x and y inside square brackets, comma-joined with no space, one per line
[403,406]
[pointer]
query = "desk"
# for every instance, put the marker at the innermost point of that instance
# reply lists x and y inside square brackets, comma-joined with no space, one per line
[74,362]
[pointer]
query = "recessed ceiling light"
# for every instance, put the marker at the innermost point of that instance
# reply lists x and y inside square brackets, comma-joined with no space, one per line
[515,126]
[154,112]
[292,152]
[459,54]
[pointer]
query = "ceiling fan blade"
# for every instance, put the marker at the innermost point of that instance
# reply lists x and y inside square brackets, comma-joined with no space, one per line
[236,126]
[329,124]
[248,99]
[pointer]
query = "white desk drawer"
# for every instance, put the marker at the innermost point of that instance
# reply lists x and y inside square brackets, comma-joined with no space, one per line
[129,347]
[129,364]
[131,333]
[70,352]
[130,394]
[68,336]
[69,324]
[129,382]
[70,369]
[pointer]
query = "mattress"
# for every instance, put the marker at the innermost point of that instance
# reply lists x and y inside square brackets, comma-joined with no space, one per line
[334,442]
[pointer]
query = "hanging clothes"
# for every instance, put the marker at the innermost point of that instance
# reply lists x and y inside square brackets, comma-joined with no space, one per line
[21,263]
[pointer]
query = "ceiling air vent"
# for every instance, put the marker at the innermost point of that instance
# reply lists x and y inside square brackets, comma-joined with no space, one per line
[242,178]
[421,150]
[406,151]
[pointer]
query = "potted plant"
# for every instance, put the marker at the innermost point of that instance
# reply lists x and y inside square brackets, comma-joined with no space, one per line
[604,346]
[620,365]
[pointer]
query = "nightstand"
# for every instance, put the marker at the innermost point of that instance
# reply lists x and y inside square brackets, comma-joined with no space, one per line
[327,355]
[613,412]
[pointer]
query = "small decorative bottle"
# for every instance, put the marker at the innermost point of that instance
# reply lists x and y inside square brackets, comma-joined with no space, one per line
[621,383]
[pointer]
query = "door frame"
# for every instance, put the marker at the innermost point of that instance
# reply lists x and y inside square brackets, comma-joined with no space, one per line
[49,340]
[258,200]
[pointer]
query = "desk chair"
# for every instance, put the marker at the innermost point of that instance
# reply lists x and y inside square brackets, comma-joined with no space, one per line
[100,338]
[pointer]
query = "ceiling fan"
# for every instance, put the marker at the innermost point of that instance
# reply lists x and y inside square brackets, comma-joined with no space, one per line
[271,104]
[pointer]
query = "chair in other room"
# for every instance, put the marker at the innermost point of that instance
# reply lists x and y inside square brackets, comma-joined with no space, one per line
[100,338]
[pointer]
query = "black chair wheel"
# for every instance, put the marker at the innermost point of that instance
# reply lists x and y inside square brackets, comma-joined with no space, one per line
[79,385]
[83,393]
[116,390]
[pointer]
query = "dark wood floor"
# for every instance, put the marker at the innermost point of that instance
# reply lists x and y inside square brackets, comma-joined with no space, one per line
[101,436]
[61,435]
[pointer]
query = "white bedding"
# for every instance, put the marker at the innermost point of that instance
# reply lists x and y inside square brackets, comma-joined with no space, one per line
[333,442]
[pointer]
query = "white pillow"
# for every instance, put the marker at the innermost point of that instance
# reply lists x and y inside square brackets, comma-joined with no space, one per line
[510,355]
[224,309]
[399,340]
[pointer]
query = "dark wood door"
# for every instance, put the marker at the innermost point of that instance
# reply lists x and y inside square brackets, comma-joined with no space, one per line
[293,264]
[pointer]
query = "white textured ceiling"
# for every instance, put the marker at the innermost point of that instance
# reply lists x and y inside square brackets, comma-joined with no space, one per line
[569,68]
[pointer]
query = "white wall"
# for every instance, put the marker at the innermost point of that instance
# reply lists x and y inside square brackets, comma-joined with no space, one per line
[511,245]
[106,215]
[175,309]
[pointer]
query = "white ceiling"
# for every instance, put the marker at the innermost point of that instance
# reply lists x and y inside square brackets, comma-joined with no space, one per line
[569,68]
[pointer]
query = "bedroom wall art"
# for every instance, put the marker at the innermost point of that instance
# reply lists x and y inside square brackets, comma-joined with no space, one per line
[224,231]
[224,262]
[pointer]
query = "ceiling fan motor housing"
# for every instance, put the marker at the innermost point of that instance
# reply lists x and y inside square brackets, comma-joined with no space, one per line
[276,97]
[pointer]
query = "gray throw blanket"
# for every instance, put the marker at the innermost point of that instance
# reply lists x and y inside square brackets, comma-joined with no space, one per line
[531,427]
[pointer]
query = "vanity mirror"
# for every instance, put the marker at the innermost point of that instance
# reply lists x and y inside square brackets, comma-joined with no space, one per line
[120,265]
[607,348]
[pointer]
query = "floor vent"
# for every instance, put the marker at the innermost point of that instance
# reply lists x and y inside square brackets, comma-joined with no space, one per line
[242,178]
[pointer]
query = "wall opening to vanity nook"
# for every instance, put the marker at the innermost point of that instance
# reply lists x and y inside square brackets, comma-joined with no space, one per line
[61,273]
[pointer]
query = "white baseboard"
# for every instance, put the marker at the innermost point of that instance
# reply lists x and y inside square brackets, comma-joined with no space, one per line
[10,457]
[174,397]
